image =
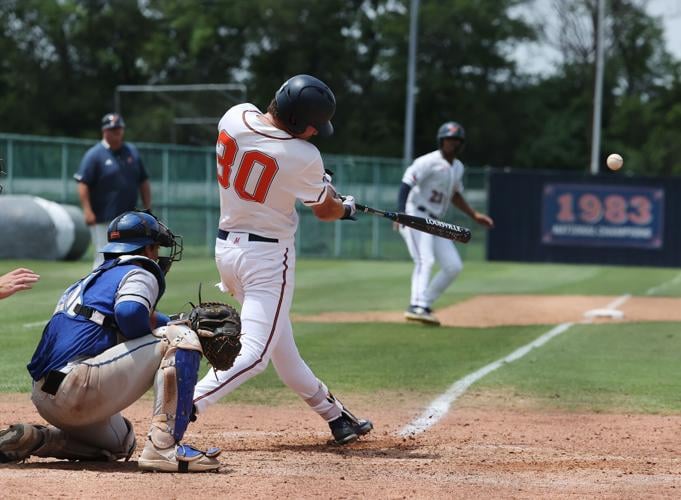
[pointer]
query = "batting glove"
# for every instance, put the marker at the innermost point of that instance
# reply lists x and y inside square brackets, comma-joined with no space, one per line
[349,206]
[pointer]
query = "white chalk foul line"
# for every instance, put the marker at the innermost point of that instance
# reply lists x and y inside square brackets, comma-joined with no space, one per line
[439,407]
[674,281]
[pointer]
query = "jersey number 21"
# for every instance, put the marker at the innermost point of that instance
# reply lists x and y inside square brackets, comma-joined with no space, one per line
[254,174]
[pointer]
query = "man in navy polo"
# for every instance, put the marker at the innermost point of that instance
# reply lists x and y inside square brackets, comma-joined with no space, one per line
[109,177]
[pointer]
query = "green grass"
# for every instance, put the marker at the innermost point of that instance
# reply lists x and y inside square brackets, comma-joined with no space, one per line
[627,367]
[631,366]
[366,358]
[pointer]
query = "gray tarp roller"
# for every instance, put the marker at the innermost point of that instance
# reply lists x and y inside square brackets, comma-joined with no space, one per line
[36,228]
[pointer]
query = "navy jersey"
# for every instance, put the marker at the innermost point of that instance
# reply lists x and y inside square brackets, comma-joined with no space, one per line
[113,178]
[70,336]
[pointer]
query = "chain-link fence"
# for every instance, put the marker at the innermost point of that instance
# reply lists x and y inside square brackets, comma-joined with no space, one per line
[185,194]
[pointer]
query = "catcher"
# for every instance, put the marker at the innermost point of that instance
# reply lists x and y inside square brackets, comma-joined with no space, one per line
[104,347]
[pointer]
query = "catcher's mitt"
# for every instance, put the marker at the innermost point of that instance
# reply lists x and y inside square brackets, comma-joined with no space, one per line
[218,326]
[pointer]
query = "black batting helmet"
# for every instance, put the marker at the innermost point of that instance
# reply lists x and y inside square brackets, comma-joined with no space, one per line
[305,100]
[451,130]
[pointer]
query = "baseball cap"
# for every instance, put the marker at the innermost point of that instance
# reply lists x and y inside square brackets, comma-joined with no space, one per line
[112,120]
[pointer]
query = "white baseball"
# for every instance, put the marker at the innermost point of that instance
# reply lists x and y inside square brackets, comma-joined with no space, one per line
[614,161]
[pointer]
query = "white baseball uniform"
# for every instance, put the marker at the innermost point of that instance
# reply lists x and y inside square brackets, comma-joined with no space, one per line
[433,181]
[262,171]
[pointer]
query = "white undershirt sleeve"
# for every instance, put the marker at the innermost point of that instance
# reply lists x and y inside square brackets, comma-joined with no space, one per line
[139,285]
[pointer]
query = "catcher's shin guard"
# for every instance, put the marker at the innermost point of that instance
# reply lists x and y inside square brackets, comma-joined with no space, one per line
[173,393]
[174,389]
[187,372]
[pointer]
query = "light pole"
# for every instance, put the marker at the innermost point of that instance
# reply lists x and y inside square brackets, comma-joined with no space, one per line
[411,83]
[598,90]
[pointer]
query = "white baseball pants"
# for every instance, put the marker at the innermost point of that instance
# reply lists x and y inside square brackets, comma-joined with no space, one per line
[426,249]
[260,275]
[87,405]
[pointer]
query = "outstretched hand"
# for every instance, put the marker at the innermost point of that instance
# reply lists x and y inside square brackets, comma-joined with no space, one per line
[483,220]
[17,280]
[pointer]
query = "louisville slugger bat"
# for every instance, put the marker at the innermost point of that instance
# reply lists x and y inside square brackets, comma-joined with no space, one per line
[425,224]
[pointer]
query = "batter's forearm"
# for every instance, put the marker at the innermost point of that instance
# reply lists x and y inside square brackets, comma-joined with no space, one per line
[331,208]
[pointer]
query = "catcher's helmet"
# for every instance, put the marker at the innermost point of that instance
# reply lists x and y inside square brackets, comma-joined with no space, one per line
[131,231]
[451,130]
[304,100]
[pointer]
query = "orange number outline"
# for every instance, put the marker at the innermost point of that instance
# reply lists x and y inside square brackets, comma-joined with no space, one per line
[225,159]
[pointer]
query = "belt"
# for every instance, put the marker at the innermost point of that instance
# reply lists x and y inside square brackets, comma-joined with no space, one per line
[251,237]
[52,381]
[423,209]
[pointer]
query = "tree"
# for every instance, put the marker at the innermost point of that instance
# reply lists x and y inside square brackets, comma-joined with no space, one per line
[638,72]
[61,61]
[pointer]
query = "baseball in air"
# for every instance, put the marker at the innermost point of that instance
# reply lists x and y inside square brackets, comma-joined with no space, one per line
[614,161]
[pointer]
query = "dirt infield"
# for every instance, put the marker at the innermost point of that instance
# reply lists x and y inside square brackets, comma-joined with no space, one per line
[499,310]
[482,449]
[488,446]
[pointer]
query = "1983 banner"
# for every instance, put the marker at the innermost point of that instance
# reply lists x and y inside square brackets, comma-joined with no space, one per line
[602,215]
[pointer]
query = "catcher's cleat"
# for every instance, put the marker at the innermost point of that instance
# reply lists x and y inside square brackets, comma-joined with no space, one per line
[422,315]
[347,428]
[182,458]
[18,442]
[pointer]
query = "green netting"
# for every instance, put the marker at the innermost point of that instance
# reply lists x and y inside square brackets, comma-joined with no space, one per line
[185,194]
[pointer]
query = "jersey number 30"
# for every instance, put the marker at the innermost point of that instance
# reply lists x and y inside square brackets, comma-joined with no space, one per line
[254,174]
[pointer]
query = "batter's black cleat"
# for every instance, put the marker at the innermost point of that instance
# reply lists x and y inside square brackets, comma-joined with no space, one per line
[347,428]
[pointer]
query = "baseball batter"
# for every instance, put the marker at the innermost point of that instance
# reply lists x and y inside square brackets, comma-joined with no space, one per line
[429,184]
[264,164]
[98,355]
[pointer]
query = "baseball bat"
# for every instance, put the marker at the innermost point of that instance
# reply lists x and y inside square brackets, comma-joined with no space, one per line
[425,224]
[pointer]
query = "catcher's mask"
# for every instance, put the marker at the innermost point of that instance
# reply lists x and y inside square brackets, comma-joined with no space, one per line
[305,100]
[132,231]
[451,130]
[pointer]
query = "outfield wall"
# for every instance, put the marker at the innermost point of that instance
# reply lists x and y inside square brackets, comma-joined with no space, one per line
[185,194]
[611,218]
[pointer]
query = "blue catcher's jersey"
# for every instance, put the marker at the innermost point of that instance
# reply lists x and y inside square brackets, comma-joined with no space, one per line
[70,336]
